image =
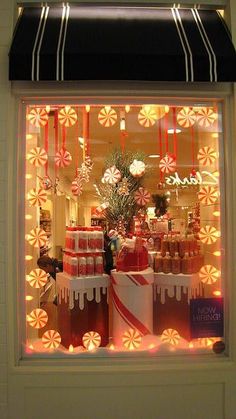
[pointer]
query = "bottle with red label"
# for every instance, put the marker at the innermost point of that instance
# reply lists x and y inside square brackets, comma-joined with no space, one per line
[158,262]
[98,265]
[164,245]
[83,239]
[89,266]
[166,263]
[82,266]
[74,266]
[176,264]
[186,267]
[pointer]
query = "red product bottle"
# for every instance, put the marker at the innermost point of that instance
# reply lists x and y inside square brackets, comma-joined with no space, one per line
[186,264]
[158,262]
[166,263]
[176,264]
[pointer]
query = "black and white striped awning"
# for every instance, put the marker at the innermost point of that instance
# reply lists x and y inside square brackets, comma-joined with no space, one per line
[121,43]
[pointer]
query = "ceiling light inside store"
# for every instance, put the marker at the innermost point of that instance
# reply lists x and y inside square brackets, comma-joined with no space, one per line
[172,131]
[154,156]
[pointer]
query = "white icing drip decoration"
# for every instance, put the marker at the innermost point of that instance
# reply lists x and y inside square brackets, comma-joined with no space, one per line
[176,284]
[97,295]
[90,294]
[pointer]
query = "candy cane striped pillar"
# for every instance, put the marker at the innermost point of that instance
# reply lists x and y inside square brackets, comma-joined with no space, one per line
[132,303]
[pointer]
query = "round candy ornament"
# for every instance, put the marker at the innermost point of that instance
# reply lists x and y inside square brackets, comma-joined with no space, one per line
[37,156]
[63,158]
[209,274]
[37,278]
[208,195]
[206,155]
[91,340]
[137,168]
[142,196]
[37,237]
[186,117]
[147,116]
[131,339]
[38,117]
[167,164]
[112,175]
[51,339]
[170,336]
[37,197]
[206,117]
[107,117]
[76,187]
[38,318]
[67,116]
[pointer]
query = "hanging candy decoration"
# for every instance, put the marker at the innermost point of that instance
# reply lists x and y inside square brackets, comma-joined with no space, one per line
[208,195]
[206,117]
[46,183]
[170,336]
[67,116]
[147,116]
[209,274]
[131,339]
[102,207]
[167,164]
[137,168]
[206,342]
[37,156]
[37,197]
[206,155]
[37,237]
[38,117]
[186,117]
[37,278]
[142,196]
[107,117]
[63,158]
[112,175]
[51,339]
[123,187]
[91,340]
[38,318]
[208,234]
[76,187]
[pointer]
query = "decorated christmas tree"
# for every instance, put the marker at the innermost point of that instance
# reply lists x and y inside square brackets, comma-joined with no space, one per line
[121,186]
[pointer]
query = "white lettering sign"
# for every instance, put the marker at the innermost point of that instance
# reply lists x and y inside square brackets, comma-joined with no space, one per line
[201,178]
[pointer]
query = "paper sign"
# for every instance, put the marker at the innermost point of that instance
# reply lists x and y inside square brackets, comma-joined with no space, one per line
[206,317]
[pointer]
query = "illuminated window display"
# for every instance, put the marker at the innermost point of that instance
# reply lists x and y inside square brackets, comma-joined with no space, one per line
[123,242]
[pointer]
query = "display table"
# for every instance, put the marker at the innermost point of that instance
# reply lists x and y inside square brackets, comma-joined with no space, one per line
[82,307]
[172,294]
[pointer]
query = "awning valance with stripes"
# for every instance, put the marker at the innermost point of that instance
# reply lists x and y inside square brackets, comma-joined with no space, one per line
[121,43]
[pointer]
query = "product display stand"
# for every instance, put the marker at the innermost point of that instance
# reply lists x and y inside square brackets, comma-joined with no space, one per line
[172,294]
[82,307]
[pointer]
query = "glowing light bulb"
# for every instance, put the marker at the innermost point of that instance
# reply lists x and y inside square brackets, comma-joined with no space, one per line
[29,298]
[28,257]
[215,135]
[28,217]
[112,347]
[216,213]
[87,108]
[217,293]
[31,347]
[29,136]
[127,108]
[151,346]
[217,253]
[190,345]
[167,108]
[28,176]
[48,108]
[71,348]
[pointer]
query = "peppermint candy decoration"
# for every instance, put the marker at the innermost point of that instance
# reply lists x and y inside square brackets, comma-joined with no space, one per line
[131,339]
[167,164]
[67,116]
[63,158]
[142,197]
[37,237]
[137,168]
[147,117]
[91,340]
[208,234]
[209,274]
[37,197]
[107,117]
[76,187]
[206,117]
[37,278]
[206,155]
[38,318]
[38,117]
[102,207]
[51,339]
[186,117]
[37,156]
[170,336]
[112,175]
[208,195]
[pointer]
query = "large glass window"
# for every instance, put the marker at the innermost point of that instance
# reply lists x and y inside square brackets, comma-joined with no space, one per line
[123,236]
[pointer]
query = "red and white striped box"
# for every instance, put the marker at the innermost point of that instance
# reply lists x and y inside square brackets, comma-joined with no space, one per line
[132,303]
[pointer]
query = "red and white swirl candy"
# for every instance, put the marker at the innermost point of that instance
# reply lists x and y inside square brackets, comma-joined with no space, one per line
[107,117]
[137,168]
[38,117]
[37,237]
[206,155]
[37,197]
[51,339]
[76,187]
[67,116]
[63,158]
[37,156]
[206,117]
[112,175]
[167,164]
[147,117]
[186,117]
[142,196]
[37,278]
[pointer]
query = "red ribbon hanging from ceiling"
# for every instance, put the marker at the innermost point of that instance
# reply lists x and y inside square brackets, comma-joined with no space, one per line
[175,133]
[160,146]
[193,146]
[166,132]
[86,148]
[77,141]
[46,146]
[56,144]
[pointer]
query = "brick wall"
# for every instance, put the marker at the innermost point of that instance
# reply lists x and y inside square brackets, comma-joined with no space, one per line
[6,19]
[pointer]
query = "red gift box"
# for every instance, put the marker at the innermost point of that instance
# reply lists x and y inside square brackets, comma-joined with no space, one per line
[133,256]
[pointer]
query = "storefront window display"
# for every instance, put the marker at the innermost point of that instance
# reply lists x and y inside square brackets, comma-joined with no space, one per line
[123,228]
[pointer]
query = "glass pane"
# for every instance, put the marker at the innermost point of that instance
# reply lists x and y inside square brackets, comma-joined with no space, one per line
[123,245]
